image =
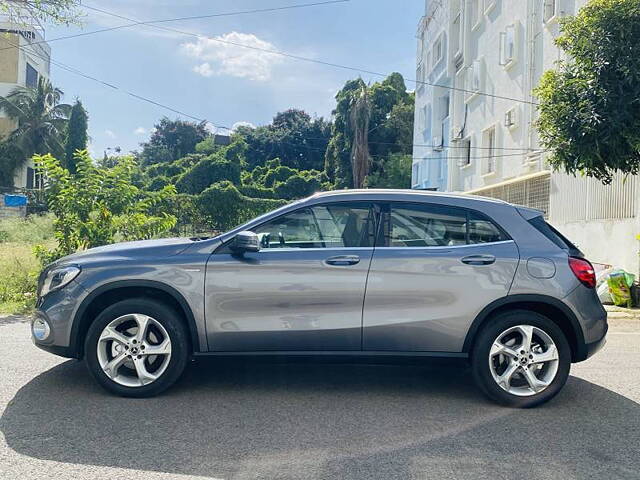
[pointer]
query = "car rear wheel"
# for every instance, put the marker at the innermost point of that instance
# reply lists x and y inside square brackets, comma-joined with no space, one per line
[137,348]
[521,359]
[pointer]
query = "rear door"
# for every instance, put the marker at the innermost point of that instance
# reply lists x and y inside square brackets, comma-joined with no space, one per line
[436,267]
[303,290]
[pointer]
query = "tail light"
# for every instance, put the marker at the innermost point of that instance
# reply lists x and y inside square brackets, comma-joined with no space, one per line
[583,270]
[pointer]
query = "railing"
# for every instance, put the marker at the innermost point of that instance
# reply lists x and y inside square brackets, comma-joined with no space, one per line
[584,198]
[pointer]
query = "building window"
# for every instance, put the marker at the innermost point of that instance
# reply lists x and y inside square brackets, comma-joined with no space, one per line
[456,36]
[475,13]
[508,46]
[465,157]
[444,107]
[31,77]
[550,8]
[489,5]
[489,151]
[511,118]
[475,79]
[438,51]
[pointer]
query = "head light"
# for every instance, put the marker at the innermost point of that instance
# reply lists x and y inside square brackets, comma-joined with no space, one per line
[57,278]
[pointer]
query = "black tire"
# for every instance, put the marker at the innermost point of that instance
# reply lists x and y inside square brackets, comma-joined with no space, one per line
[482,346]
[163,314]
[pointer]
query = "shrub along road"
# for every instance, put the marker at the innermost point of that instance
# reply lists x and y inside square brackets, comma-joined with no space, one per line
[257,419]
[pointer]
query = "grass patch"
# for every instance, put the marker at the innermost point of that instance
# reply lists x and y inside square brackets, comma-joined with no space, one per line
[19,268]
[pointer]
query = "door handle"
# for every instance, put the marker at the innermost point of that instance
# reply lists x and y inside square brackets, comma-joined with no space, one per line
[343,260]
[479,260]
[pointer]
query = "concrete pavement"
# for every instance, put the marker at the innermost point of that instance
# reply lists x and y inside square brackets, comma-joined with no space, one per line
[310,420]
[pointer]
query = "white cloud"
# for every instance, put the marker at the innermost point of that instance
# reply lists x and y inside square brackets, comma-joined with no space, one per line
[140,131]
[110,134]
[242,124]
[203,69]
[223,55]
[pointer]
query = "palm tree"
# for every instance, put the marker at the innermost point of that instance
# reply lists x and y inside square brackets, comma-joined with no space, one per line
[360,116]
[40,117]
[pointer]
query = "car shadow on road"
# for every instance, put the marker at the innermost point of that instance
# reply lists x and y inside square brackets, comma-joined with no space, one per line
[306,419]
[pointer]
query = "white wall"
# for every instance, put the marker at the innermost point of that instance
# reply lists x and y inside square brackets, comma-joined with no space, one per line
[611,242]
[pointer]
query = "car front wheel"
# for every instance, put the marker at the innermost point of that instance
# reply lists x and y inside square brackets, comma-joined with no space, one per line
[521,359]
[137,348]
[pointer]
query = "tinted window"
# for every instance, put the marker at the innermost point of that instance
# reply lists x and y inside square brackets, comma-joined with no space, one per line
[426,226]
[554,235]
[413,225]
[31,77]
[323,226]
[483,230]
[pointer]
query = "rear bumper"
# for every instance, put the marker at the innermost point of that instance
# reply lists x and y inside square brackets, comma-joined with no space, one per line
[593,347]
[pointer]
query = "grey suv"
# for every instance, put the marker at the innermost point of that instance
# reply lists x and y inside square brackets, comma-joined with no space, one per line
[352,273]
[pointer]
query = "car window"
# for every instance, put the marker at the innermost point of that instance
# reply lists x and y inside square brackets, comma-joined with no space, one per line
[483,230]
[414,225]
[322,226]
[426,226]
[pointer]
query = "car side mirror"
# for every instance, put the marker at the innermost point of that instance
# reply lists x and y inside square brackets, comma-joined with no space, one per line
[245,241]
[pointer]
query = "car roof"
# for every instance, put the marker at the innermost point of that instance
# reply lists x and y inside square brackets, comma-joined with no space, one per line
[405,194]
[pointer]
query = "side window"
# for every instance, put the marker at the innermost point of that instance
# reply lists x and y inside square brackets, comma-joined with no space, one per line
[414,225]
[323,226]
[483,230]
[426,226]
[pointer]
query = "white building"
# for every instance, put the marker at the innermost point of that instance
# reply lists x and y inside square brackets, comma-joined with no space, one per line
[24,58]
[496,52]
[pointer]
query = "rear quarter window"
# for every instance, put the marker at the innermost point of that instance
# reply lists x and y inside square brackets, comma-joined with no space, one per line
[554,235]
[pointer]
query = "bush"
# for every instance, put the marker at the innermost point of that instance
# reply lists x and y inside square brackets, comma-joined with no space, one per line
[225,207]
[98,206]
[206,172]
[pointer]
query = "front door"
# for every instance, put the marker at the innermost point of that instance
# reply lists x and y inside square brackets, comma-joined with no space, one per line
[303,290]
[436,268]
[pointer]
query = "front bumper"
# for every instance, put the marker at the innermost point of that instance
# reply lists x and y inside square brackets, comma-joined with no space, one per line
[58,309]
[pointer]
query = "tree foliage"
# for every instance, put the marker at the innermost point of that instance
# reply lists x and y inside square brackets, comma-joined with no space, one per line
[589,106]
[396,174]
[225,207]
[171,140]
[98,206]
[57,11]
[390,128]
[40,118]
[77,136]
[293,136]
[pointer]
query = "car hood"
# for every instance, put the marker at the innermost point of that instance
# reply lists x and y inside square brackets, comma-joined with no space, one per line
[130,250]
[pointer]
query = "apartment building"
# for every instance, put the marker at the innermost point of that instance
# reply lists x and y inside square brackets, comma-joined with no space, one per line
[24,58]
[493,55]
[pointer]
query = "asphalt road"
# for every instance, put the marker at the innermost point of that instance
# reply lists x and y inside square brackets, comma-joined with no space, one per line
[311,420]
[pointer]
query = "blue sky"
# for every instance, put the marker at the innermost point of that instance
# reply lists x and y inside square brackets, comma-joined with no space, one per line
[222,83]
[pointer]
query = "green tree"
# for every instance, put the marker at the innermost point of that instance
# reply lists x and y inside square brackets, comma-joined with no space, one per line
[390,130]
[395,173]
[171,140]
[98,206]
[298,140]
[224,206]
[57,11]
[589,114]
[76,135]
[40,118]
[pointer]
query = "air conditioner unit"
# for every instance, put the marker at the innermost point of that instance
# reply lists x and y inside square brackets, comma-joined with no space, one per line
[437,144]
[456,133]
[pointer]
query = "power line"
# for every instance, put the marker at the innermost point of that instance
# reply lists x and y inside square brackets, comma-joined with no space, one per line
[179,19]
[307,59]
[154,24]
[198,119]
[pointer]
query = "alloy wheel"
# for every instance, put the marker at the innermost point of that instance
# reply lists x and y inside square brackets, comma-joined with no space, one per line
[523,360]
[134,350]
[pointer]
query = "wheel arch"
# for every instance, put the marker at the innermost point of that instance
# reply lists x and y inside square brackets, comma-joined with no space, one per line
[105,295]
[550,307]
